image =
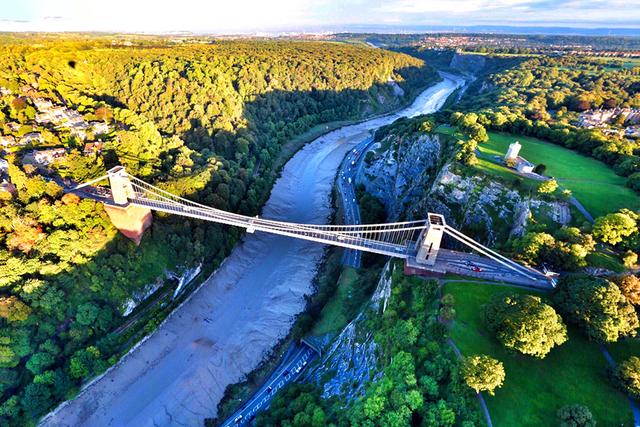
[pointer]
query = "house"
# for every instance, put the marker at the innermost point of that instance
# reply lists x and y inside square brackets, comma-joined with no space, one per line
[99,128]
[7,141]
[4,91]
[13,126]
[45,157]
[523,165]
[7,187]
[30,138]
[92,148]
[4,165]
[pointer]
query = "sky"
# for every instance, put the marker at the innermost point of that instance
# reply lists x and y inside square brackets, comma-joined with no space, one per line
[250,16]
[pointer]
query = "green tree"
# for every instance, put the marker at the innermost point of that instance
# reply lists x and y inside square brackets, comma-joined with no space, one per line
[614,227]
[575,416]
[598,306]
[547,187]
[627,376]
[482,373]
[39,362]
[525,323]
[87,313]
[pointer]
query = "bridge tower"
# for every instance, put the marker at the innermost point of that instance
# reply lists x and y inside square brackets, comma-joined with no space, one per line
[132,220]
[430,238]
[121,188]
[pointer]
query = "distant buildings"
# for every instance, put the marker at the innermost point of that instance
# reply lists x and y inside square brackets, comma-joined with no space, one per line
[513,159]
[599,118]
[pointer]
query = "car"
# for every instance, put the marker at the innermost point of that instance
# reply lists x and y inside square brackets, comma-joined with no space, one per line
[269,389]
[237,419]
[285,373]
[304,363]
[477,269]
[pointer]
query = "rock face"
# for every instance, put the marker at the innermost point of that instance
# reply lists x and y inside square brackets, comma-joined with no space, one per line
[352,359]
[132,221]
[401,169]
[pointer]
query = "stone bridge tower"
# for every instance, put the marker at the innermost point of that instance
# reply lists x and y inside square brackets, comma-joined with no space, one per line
[130,219]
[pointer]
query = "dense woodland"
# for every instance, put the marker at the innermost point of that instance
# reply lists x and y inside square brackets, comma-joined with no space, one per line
[204,121]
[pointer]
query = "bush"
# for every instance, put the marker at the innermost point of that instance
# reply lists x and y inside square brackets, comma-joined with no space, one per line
[482,373]
[575,416]
[627,376]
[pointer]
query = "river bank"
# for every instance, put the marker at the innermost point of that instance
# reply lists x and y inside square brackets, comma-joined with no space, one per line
[178,375]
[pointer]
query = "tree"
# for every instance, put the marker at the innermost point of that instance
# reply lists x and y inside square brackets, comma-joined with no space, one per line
[630,259]
[630,287]
[614,227]
[482,373]
[525,323]
[87,313]
[548,186]
[575,416]
[39,362]
[540,168]
[598,306]
[627,376]
[14,310]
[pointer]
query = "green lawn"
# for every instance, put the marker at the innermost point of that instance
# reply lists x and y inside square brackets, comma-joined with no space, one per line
[593,183]
[333,317]
[624,349]
[535,389]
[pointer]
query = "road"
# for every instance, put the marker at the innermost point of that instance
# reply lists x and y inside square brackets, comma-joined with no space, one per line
[350,167]
[230,323]
[288,371]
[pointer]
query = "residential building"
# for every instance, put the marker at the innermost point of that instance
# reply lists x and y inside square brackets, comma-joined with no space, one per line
[92,148]
[523,165]
[7,141]
[30,138]
[99,128]
[45,157]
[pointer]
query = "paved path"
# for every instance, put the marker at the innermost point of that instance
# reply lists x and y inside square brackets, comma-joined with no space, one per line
[635,409]
[483,404]
[575,202]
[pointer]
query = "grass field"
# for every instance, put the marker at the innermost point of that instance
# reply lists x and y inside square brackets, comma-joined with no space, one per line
[592,182]
[534,390]
[333,317]
[624,349]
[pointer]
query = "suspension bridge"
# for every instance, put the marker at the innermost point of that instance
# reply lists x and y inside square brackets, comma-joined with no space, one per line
[418,242]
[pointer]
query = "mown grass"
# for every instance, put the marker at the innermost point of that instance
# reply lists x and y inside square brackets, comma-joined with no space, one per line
[592,182]
[534,390]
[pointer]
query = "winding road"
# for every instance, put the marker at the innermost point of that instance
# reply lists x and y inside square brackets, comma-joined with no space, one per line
[177,376]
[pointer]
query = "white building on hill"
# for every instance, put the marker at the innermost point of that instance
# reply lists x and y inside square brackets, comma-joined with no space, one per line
[519,163]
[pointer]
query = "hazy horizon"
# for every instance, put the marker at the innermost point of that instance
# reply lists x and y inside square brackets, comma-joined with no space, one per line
[279,16]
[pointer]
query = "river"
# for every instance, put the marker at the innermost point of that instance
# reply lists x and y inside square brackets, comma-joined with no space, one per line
[224,330]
